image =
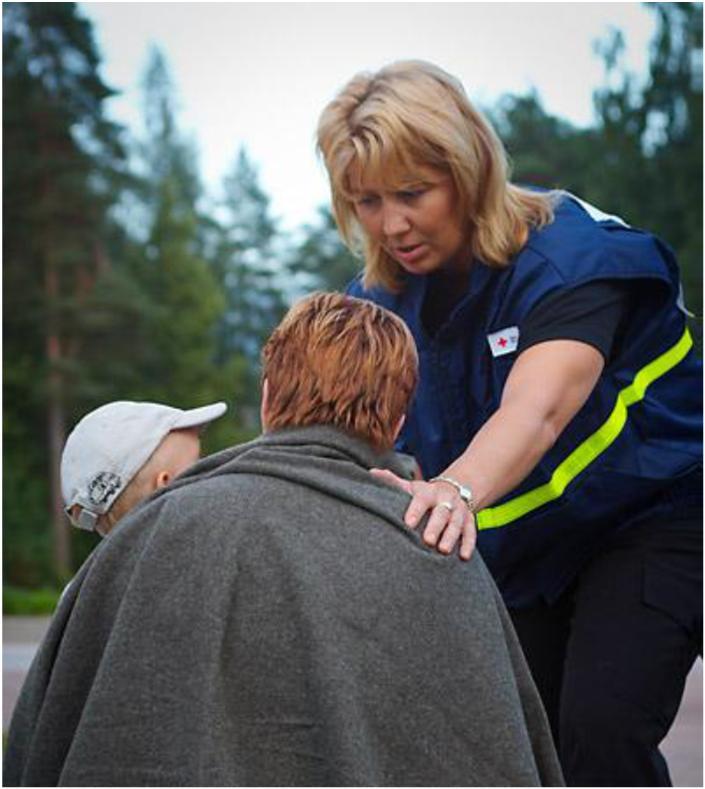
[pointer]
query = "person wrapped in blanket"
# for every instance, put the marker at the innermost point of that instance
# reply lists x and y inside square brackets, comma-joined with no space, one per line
[269,619]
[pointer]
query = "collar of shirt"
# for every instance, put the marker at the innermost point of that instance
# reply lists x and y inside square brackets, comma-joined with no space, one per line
[415,289]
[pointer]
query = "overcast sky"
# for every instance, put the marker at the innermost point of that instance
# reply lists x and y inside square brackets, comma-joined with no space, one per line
[259,74]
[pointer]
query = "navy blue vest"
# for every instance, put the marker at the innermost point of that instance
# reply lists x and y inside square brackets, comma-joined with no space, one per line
[640,428]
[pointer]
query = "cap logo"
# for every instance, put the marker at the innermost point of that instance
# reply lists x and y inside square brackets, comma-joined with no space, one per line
[102,487]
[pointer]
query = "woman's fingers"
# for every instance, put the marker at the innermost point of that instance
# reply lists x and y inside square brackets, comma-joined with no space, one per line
[449,522]
[469,538]
[459,526]
[454,528]
[425,499]
[438,520]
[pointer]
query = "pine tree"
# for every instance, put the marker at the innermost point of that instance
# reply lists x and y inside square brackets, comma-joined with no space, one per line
[177,363]
[652,137]
[63,162]
[643,159]
[320,260]
[248,260]
[166,153]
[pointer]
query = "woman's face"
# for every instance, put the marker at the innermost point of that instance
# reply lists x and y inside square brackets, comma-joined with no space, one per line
[417,223]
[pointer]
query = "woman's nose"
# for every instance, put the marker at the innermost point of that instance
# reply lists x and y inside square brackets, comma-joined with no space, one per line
[394,221]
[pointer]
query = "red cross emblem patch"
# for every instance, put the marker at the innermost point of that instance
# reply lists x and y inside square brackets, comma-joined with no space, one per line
[504,341]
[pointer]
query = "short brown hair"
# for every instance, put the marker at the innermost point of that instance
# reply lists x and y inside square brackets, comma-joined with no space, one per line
[340,361]
[412,113]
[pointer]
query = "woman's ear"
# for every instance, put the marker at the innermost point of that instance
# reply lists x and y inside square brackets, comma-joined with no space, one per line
[264,405]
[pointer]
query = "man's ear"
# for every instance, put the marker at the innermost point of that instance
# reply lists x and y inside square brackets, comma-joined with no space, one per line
[399,426]
[264,404]
[162,479]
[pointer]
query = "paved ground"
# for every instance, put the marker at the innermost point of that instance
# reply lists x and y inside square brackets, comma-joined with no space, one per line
[20,637]
[683,747]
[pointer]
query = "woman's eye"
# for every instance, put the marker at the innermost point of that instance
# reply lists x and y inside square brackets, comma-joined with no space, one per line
[367,200]
[411,194]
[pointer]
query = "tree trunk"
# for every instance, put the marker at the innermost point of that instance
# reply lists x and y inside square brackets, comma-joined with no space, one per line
[56,424]
[56,428]
[60,528]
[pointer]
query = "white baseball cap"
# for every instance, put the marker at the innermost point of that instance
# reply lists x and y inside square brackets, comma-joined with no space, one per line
[111,444]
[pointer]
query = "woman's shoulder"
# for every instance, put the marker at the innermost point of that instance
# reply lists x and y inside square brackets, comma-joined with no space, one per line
[584,242]
[575,223]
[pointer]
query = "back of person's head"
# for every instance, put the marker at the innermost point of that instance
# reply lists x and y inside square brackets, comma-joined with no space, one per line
[120,453]
[340,361]
[383,126]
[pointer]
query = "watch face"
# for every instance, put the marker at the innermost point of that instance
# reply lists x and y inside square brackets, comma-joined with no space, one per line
[102,487]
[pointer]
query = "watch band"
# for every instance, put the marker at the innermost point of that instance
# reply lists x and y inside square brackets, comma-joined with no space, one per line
[463,491]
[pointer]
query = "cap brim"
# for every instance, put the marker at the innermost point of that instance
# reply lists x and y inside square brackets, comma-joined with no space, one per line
[195,417]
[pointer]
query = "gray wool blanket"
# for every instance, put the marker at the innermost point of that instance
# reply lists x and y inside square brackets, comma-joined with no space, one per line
[269,620]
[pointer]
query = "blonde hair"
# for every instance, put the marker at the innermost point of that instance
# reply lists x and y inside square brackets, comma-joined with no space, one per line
[340,361]
[412,114]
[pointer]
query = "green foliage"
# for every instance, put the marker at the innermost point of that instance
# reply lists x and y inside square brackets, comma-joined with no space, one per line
[17,601]
[244,259]
[63,166]
[243,245]
[26,532]
[643,160]
[167,154]
[653,137]
[179,276]
[185,302]
[545,151]
[321,260]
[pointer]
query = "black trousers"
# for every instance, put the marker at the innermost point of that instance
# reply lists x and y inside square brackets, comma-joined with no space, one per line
[611,656]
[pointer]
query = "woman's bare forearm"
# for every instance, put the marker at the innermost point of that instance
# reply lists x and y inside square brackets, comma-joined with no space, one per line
[547,387]
[503,453]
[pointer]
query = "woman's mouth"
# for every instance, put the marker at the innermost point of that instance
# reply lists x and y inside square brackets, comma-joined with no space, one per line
[410,254]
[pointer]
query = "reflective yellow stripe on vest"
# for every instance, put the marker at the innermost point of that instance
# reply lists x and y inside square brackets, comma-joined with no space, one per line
[591,448]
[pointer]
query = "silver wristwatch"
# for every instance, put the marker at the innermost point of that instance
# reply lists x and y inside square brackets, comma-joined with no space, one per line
[463,491]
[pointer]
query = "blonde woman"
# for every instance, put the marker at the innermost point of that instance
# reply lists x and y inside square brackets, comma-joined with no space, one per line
[558,418]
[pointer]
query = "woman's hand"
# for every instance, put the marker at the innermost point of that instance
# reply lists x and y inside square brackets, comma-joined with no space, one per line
[450,520]
[546,387]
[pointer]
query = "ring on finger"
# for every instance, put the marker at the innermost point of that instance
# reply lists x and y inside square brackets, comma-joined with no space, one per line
[447,504]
